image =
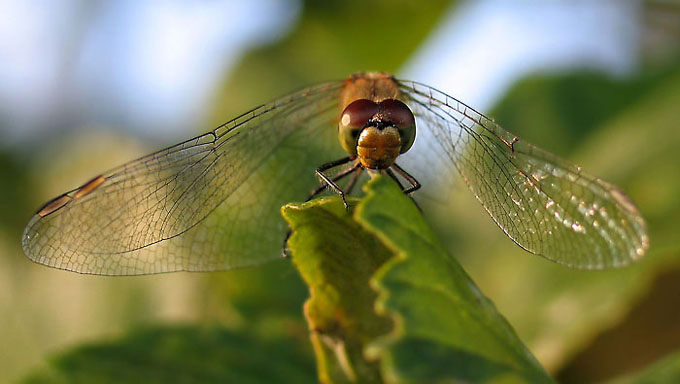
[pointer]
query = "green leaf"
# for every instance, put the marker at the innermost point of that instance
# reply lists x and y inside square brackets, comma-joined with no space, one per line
[336,258]
[443,317]
[428,322]
[181,355]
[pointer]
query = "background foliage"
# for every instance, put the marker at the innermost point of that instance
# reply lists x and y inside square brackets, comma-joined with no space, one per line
[581,326]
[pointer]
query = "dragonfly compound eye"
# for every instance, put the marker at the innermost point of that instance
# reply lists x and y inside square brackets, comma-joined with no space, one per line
[402,118]
[352,120]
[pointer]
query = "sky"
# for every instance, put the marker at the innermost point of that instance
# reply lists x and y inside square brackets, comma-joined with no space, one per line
[151,69]
[483,48]
[139,64]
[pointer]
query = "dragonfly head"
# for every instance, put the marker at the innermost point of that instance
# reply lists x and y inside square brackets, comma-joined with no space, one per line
[377,132]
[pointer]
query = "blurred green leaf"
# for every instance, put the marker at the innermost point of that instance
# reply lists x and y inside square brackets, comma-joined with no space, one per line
[665,371]
[442,327]
[266,300]
[648,332]
[181,355]
[559,111]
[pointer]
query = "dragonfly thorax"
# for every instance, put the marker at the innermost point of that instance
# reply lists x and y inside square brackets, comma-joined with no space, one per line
[377,132]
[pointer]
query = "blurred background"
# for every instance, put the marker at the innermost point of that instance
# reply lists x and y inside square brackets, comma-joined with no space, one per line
[85,86]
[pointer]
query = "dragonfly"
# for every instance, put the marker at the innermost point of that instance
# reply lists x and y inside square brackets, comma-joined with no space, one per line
[213,202]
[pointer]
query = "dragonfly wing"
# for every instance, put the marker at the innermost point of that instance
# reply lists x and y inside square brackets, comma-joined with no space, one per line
[210,203]
[545,204]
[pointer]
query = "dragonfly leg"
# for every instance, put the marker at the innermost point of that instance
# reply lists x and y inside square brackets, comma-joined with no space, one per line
[329,181]
[338,177]
[415,185]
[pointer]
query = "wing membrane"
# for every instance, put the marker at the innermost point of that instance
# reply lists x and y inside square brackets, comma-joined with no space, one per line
[212,202]
[209,203]
[545,204]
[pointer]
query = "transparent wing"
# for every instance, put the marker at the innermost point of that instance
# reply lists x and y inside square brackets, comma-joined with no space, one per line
[546,205]
[210,203]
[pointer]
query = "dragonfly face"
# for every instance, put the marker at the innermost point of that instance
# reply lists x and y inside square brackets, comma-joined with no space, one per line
[377,132]
[212,202]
